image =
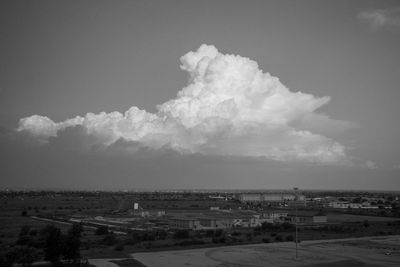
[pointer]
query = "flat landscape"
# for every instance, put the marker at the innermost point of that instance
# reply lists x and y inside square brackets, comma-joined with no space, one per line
[109,231]
[366,251]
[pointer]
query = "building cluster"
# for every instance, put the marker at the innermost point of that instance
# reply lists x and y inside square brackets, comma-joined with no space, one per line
[349,205]
[346,204]
[270,197]
[205,220]
[243,220]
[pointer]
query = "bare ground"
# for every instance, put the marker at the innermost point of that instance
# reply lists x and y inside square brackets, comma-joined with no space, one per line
[362,252]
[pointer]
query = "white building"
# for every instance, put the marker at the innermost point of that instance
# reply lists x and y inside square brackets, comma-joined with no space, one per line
[250,197]
[270,197]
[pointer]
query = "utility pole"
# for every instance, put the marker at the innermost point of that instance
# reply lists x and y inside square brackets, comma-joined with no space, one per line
[295,193]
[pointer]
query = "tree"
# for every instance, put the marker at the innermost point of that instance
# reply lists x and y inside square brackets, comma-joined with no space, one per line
[53,246]
[24,238]
[7,258]
[26,255]
[180,234]
[110,239]
[102,230]
[22,255]
[219,233]
[161,234]
[289,238]
[72,244]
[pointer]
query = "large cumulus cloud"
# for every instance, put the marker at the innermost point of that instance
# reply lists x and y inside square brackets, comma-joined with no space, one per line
[229,107]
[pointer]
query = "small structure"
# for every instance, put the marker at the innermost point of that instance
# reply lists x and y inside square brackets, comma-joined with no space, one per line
[185,223]
[270,197]
[307,219]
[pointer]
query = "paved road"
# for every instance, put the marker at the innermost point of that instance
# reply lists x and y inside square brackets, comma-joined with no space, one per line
[70,223]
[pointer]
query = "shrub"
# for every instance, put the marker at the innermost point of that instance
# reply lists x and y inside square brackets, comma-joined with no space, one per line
[209,233]
[266,240]
[102,230]
[218,233]
[119,247]
[289,238]
[109,239]
[191,242]
[33,232]
[180,234]
[287,226]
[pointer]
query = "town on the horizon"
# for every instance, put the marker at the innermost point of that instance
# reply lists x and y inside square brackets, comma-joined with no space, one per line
[115,223]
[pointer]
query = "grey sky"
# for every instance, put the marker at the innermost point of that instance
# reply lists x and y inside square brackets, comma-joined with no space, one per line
[61,59]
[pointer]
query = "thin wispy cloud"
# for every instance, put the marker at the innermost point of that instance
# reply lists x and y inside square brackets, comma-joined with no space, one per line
[381,18]
[396,166]
[371,165]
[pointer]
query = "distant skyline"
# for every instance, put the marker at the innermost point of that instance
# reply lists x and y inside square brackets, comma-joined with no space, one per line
[200,94]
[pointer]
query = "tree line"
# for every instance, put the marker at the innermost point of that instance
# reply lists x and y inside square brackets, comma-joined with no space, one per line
[49,244]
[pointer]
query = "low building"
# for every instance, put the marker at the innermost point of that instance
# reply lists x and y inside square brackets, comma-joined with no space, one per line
[344,205]
[270,197]
[273,217]
[218,223]
[307,219]
[185,223]
[250,197]
[147,213]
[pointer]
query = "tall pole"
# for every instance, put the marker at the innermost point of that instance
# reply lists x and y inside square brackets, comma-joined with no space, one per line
[295,193]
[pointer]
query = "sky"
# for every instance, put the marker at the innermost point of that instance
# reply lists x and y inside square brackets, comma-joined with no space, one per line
[200,94]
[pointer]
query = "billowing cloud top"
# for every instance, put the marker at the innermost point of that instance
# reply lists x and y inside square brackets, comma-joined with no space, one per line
[229,107]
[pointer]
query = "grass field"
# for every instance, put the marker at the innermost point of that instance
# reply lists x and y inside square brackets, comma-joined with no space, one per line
[346,252]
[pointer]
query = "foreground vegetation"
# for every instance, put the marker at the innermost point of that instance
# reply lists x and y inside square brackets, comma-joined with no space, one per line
[25,240]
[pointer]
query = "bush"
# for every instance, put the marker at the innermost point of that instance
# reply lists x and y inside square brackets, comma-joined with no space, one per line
[218,233]
[109,239]
[33,232]
[209,233]
[119,247]
[161,234]
[266,240]
[249,237]
[266,226]
[289,238]
[287,226]
[102,230]
[191,242]
[181,234]
[278,238]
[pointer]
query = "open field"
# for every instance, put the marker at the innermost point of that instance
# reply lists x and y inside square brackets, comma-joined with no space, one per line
[343,218]
[366,251]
